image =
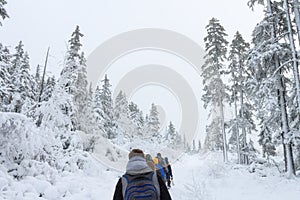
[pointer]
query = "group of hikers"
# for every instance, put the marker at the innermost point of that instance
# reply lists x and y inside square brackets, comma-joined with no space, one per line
[145,178]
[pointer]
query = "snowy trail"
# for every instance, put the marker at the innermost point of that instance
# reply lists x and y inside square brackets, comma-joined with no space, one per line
[206,177]
[197,177]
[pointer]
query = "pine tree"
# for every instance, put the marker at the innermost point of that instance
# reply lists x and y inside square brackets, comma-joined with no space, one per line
[3,13]
[136,115]
[238,71]
[153,123]
[90,126]
[5,78]
[72,79]
[212,70]
[265,140]
[121,113]
[213,139]
[49,87]
[171,133]
[81,95]
[104,109]
[267,83]
[23,93]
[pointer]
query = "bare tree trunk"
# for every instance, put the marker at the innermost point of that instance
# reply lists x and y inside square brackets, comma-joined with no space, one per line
[237,128]
[43,78]
[244,142]
[297,17]
[223,131]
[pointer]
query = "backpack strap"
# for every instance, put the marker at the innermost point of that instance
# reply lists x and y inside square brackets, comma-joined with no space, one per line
[124,184]
[156,183]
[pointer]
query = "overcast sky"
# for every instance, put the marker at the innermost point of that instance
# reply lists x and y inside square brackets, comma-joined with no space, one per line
[43,23]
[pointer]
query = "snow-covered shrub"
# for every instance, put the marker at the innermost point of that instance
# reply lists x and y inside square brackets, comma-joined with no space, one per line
[20,142]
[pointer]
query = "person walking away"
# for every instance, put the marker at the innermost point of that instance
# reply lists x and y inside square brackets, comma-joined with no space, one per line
[160,170]
[162,162]
[169,174]
[150,162]
[140,181]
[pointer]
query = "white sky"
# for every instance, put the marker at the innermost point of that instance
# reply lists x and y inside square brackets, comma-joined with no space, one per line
[43,23]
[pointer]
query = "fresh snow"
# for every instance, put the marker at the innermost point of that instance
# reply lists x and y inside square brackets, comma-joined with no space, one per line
[199,176]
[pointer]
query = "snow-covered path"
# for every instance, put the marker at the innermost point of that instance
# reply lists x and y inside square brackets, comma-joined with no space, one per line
[206,177]
[201,176]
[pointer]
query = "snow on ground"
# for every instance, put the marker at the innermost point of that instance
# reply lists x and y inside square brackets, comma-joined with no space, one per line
[203,176]
[207,177]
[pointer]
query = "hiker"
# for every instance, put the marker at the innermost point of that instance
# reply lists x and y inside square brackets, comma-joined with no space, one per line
[162,162]
[140,181]
[169,174]
[150,162]
[160,170]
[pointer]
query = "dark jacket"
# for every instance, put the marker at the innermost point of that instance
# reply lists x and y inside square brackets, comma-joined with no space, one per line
[135,167]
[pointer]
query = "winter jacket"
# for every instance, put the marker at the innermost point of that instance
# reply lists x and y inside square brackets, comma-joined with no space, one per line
[137,166]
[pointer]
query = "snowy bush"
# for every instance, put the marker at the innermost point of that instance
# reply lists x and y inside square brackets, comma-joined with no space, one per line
[21,142]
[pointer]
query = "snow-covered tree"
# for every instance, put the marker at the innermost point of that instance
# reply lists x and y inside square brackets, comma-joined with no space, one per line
[49,87]
[3,12]
[136,115]
[90,126]
[103,107]
[171,133]
[265,140]
[23,93]
[212,70]
[237,70]
[267,84]
[153,124]
[121,113]
[213,140]
[5,78]
[81,95]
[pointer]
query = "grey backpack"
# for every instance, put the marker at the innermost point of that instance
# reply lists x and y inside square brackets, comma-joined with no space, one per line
[140,186]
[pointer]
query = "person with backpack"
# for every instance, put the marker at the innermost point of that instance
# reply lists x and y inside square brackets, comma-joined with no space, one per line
[150,162]
[169,174]
[161,161]
[140,181]
[160,170]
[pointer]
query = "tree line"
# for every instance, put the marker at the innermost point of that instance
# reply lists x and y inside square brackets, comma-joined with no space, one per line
[260,83]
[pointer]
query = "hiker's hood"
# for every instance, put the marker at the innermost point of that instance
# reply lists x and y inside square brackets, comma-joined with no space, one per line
[137,165]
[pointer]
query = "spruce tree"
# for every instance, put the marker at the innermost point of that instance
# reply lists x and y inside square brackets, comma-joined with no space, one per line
[6,85]
[121,113]
[81,95]
[23,93]
[171,133]
[237,70]
[104,109]
[212,70]
[136,115]
[3,12]
[72,79]
[153,124]
[49,87]
[267,78]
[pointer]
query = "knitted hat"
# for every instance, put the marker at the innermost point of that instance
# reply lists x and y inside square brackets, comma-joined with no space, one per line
[136,152]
